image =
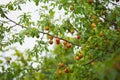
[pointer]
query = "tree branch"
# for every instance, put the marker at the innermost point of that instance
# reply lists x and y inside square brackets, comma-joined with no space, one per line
[40,31]
[91,61]
[12,26]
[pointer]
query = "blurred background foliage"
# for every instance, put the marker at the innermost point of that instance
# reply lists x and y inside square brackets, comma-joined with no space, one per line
[85,45]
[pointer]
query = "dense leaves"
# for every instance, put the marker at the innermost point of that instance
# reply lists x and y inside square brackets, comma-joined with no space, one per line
[82,44]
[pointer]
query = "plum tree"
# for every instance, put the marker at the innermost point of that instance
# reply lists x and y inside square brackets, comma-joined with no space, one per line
[86,40]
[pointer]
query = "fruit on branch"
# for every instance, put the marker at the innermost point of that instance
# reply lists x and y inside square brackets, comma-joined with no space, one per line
[51,42]
[64,42]
[77,58]
[61,64]
[66,70]
[68,45]
[93,25]
[90,1]
[51,37]
[92,17]
[72,31]
[71,7]
[47,28]
[57,41]
[78,37]
[81,55]
[101,34]
[59,72]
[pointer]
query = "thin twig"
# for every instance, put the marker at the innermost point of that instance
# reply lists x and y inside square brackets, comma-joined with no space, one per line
[91,61]
[12,26]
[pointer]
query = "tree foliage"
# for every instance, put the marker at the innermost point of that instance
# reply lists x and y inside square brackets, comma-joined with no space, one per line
[82,45]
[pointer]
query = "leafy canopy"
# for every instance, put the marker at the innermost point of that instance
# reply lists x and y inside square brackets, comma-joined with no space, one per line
[82,44]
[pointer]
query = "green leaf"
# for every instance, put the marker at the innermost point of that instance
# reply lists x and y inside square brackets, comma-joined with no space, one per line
[10,7]
[1,61]
[36,2]
[51,13]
